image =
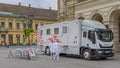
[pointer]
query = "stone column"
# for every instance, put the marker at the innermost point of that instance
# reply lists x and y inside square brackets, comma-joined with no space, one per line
[14,29]
[21,38]
[14,24]
[14,38]
[6,30]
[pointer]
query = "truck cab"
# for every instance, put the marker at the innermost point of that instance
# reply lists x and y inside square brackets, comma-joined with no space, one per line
[97,42]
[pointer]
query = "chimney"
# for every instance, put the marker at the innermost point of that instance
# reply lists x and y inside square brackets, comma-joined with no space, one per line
[19,3]
[29,5]
[50,8]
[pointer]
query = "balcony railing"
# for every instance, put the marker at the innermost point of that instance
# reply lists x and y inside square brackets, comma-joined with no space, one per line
[10,30]
[2,30]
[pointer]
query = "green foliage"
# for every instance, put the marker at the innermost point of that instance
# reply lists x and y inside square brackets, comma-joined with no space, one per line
[27,32]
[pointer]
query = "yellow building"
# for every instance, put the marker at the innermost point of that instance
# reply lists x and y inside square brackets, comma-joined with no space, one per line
[105,11]
[12,26]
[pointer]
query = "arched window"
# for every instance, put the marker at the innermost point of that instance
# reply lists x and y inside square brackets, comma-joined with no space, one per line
[81,18]
[97,17]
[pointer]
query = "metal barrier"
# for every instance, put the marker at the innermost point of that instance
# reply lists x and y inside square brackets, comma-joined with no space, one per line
[19,53]
[29,53]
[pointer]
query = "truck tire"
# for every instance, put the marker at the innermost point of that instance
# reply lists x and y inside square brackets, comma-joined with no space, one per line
[87,54]
[47,51]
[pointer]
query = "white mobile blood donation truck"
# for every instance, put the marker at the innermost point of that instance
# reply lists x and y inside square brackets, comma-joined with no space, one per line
[87,38]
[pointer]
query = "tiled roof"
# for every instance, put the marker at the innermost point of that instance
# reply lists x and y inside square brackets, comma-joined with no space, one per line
[36,12]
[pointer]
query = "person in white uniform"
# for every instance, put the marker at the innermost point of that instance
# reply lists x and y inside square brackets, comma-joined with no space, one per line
[52,50]
[57,48]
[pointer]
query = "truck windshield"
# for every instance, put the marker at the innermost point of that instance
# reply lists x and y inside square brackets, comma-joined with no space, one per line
[105,35]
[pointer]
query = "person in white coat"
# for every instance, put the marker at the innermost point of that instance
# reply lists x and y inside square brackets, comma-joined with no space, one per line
[52,50]
[57,49]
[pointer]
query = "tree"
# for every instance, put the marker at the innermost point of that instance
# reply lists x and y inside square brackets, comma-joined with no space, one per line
[27,34]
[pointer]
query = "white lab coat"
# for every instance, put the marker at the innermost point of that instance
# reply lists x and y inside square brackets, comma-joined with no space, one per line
[52,50]
[57,50]
[51,45]
[57,47]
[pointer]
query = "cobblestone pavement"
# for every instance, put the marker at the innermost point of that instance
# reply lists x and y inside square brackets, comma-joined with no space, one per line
[44,61]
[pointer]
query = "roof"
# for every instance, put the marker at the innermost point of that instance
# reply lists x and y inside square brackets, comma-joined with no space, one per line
[36,12]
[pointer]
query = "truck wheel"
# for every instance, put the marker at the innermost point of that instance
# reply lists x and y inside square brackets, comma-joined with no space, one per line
[86,54]
[47,51]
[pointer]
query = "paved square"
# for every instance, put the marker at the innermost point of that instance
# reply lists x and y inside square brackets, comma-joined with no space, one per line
[44,61]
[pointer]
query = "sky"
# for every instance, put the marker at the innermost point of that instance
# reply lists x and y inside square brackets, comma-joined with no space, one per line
[34,3]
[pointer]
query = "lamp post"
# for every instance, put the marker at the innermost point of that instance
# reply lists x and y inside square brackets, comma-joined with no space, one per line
[6,31]
[30,17]
[27,30]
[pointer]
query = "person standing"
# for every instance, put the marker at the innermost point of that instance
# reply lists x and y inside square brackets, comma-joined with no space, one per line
[51,45]
[7,45]
[57,49]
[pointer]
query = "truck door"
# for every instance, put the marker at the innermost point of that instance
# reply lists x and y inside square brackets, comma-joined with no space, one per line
[84,38]
[64,39]
[88,39]
[91,37]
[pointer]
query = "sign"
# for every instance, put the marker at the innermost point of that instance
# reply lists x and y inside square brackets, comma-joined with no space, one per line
[31,52]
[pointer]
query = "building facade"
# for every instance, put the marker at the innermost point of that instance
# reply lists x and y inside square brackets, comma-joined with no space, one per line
[105,11]
[12,26]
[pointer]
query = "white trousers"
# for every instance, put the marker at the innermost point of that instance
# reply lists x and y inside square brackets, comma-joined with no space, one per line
[57,55]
